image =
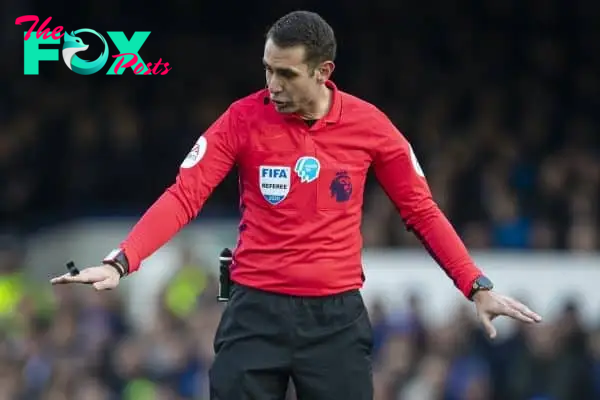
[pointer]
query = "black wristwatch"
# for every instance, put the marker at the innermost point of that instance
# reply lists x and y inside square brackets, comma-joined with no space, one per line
[481,283]
[118,260]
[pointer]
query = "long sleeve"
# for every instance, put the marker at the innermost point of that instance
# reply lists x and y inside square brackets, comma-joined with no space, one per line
[207,164]
[398,171]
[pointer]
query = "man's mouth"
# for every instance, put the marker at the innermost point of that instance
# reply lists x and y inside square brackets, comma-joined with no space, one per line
[279,103]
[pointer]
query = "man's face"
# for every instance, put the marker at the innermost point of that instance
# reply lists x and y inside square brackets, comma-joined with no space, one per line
[291,82]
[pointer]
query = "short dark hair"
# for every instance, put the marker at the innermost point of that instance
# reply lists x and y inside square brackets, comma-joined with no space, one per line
[307,29]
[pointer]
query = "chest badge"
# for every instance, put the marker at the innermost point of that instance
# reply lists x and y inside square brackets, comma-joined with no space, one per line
[274,183]
[341,187]
[307,169]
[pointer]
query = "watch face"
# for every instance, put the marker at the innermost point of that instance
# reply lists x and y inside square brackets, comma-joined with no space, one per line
[483,282]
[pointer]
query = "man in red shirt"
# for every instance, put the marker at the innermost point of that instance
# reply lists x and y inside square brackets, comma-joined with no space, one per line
[303,148]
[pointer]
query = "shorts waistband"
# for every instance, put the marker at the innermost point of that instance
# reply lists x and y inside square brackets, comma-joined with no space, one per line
[347,293]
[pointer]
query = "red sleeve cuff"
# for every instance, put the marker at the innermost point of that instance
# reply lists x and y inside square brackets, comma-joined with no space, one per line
[133,259]
[467,286]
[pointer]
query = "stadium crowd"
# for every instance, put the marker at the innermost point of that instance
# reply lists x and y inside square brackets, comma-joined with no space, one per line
[76,343]
[498,98]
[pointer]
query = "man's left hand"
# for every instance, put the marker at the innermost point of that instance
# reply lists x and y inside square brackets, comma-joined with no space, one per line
[490,305]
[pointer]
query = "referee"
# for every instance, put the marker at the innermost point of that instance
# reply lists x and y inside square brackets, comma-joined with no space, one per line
[303,148]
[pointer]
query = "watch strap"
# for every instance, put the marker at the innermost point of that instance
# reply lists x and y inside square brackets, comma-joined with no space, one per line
[480,283]
[118,260]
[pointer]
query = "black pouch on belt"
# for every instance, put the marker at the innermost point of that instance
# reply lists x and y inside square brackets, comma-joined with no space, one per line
[225,259]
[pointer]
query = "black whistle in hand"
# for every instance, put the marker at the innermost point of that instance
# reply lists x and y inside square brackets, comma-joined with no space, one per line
[225,259]
[73,271]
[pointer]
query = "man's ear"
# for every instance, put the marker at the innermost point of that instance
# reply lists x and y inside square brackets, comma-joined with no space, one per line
[324,71]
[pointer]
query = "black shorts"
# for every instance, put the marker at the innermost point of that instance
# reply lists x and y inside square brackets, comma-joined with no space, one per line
[323,344]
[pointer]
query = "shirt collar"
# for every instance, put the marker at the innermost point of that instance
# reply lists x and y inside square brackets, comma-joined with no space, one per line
[335,110]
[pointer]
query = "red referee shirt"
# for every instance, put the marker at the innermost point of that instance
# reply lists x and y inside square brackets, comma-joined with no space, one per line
[301,190]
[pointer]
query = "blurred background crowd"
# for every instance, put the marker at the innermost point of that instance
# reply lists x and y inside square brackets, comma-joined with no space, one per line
[79,344]
[498,97]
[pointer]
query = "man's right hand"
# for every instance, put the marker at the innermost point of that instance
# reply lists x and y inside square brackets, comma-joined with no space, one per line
[102,277]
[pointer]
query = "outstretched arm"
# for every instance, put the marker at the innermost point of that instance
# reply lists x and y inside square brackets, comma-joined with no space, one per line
[399,173]
[207,164]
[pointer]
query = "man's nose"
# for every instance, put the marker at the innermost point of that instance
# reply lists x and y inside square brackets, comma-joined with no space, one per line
[274,86]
